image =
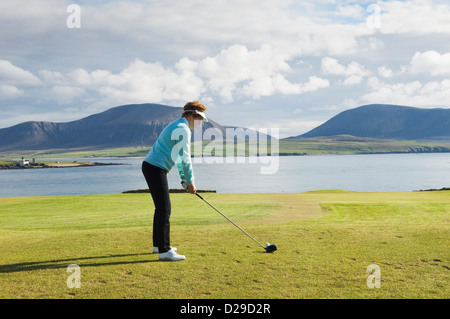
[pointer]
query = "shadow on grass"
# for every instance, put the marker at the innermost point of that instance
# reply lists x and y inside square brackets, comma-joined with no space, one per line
[64,263]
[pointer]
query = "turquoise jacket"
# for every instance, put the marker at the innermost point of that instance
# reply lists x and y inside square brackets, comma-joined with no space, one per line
[174,146]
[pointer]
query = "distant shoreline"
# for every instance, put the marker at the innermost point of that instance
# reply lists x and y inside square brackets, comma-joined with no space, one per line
[434,190]
[13,165]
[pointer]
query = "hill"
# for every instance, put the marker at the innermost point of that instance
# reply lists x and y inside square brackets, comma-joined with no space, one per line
[122,126]
[373,128]
[384,121]
[347,144]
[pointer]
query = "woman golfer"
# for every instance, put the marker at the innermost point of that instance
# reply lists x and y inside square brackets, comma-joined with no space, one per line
[172,147]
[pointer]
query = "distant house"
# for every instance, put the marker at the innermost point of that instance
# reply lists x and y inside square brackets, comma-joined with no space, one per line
[23,162]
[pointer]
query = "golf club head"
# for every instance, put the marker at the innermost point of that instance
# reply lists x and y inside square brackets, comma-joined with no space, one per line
[271,248]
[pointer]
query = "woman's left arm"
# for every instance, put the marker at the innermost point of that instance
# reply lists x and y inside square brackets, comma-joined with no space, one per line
[184,163]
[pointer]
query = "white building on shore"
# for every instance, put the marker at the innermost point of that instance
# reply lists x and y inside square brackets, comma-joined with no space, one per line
[23,162]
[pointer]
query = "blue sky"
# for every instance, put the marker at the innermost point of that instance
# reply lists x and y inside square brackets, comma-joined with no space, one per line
[255,63]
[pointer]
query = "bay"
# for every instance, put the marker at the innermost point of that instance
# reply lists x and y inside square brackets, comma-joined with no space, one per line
[364,173]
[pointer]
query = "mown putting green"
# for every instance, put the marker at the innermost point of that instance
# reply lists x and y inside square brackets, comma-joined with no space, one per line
[326,241]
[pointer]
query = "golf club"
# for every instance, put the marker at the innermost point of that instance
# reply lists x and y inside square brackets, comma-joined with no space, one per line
[268,248]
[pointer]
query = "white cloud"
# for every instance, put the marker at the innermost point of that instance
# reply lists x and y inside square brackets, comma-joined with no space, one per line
[261,71]
[173,51]
[66,94]
[332,66]
[139,82]
[385,72]
[80,77]
[13,75]
[290,127]
[196,28]
[430,62]
[415,17]
[313,84]
[351,11]
[334,109]
[52,77]
[252,73]
[278,84]
[354,71]
[234,72]
[9,92]
[414,93]
[353,80]
[33,17]
[143,82]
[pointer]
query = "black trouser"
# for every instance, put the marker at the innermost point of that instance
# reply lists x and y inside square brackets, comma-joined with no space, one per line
[159,188]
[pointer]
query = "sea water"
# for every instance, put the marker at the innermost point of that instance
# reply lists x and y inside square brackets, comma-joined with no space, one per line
[380,172]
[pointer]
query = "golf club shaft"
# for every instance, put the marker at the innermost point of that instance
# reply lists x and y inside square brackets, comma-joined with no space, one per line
[229,220]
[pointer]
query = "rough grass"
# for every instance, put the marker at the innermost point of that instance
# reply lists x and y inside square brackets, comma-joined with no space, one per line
[347,144]
[326,241]
[339,144]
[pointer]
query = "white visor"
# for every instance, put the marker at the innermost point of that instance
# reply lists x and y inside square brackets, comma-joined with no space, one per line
[202,114]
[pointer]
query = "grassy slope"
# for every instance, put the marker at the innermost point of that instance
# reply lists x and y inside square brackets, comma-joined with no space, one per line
[343,144]
[116,152]
[326,240]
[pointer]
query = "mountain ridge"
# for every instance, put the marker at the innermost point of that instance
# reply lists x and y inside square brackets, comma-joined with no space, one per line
[139,125]
[387,121]
[121,126]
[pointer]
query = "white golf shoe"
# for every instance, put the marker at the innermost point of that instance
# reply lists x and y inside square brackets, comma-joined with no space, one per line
[171,255]
[156,249]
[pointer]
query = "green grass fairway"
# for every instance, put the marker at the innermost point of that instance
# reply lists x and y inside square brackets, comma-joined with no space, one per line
[326,241]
